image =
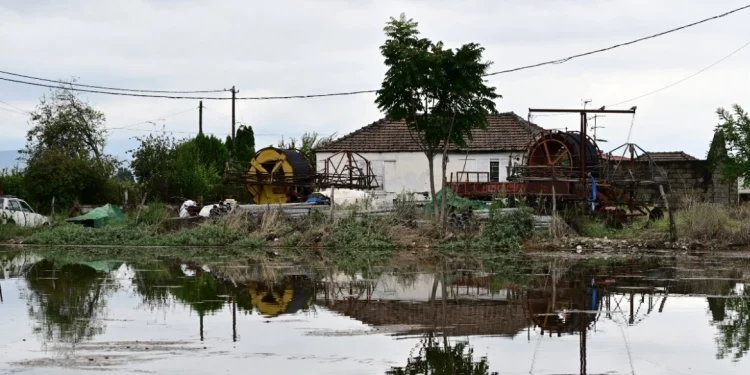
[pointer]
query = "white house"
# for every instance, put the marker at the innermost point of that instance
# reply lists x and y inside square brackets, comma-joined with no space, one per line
[400,165]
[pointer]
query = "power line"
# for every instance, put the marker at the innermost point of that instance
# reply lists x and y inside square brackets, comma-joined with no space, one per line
[111,88]
[307,96]
[552,62]
[13,111]
[684,79]
[156,119]
[566,59]
[114,93]
[717,62]
[12,106]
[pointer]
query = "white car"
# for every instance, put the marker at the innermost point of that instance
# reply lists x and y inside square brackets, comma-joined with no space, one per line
[14,210]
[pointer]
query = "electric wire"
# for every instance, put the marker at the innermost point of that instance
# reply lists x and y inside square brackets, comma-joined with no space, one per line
[566,59]
[684,79]
[116,93]
[112,88]
[717,62]
[14,107]
[13,111]
[156,119]
[135,93]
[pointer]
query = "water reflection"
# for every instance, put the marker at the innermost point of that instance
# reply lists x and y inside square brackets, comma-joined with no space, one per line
[444,310]
[67,302]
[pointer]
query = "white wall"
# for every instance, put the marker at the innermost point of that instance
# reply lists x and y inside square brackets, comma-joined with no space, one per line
[409,171]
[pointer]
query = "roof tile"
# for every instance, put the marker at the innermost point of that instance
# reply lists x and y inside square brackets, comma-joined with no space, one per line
[505,132]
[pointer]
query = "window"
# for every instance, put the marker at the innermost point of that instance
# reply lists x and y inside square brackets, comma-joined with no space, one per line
[25,207]
[494,170]
[13,205]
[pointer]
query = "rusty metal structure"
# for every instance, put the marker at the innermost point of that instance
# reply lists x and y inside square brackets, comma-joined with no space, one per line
[277,175]
[569,167]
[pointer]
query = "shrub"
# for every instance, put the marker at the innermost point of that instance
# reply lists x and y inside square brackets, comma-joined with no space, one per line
[705,221]
[369,232]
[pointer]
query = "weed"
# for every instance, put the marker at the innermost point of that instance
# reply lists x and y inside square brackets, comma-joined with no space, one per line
[10,232]
[405,207]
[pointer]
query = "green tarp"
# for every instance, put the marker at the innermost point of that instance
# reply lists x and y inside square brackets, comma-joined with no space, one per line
[100,217]
[454,201]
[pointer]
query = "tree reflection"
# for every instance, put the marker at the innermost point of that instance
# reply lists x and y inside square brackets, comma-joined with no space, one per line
[68,301]
[436,358]
[732,317]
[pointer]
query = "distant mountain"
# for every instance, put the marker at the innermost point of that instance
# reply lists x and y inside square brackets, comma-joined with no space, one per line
[8,159]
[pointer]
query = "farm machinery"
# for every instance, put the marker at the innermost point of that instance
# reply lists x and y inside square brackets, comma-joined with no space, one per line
[564,168]
[277,175]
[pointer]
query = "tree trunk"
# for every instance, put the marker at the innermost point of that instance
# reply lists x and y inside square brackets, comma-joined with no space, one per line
[431,166]
[444,203]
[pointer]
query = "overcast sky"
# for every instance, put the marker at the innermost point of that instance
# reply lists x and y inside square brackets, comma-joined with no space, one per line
[303,47]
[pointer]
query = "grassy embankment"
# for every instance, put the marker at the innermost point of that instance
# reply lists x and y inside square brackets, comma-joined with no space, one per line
[319,236]
[358,239]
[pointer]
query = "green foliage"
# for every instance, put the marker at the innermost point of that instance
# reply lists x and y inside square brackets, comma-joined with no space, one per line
[243,147]
[191,176]
[166,168]
[518,223]
[439,92]
[212,152]
[504,232]
[730,150]
[11,182]
[65,152]
[309,143]
[733,337]
[153,214]
[355,233]
[9,232]
[359,243]
[71,308]
[209,234]
[124,175]
[153,164]
[435,358]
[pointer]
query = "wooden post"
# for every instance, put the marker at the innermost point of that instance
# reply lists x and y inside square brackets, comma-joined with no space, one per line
[554,201]
[552,224]
[330,214]
[53,206]
[672,226]
[143,201]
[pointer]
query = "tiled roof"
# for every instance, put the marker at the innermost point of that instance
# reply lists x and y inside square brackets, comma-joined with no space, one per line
[668,156]
[505,132]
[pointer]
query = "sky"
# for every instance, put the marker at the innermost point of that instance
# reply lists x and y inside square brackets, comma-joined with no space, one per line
[315,46]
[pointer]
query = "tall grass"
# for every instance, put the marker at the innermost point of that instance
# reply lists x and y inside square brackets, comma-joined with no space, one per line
[714,222]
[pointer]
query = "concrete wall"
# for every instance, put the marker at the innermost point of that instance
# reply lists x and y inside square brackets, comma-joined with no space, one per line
[408,171]
[694,178]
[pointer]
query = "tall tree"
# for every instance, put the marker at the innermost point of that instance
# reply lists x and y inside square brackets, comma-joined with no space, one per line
[64,151]
[438,92]
[212,151]
[153,164]
[243,148]
[730,149]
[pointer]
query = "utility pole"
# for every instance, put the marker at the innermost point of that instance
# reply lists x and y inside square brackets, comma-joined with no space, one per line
[200,117]
[234,99]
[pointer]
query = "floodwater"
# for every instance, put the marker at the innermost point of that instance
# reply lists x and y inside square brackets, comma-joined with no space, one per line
[533,315]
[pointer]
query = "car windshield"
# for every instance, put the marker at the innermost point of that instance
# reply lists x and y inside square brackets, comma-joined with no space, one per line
[25,207]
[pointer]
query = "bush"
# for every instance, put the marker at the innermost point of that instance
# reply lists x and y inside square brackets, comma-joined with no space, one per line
[506,230]
[153,214]
[517,223]
[369,232]
[705,221]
